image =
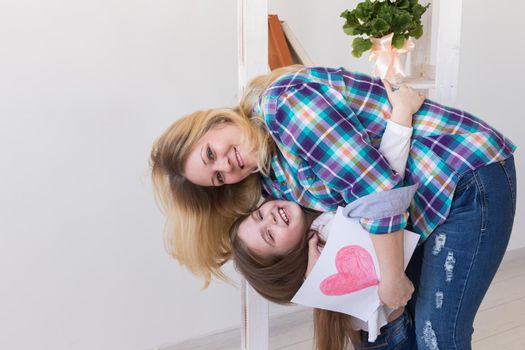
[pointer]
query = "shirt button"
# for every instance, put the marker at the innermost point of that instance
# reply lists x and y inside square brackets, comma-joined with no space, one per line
[283,183]
[309,177]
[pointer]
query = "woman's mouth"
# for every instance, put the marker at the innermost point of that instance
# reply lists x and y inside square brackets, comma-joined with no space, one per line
[238,156]
[284,216]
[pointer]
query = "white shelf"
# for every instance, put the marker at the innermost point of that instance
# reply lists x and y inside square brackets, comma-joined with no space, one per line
[420,83]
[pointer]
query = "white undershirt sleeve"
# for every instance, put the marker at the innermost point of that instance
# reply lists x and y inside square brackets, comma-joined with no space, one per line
[395,146]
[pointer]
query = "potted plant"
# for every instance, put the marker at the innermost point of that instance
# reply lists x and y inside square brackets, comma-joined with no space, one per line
[387,28]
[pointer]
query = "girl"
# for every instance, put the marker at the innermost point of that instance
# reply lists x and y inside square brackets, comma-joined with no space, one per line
[271,249]
[311,134]
[277,266]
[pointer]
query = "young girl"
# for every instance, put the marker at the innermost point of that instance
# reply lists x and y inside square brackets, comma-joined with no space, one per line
[275,247]
[271,249]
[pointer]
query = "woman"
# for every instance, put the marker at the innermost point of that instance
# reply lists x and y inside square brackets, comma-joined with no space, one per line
[315,133]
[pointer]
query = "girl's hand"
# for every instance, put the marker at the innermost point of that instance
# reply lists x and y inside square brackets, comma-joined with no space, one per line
[395,292]
[405,102]
[313,253]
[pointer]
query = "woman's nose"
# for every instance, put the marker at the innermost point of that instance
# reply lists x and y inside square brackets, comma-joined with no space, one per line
[223,164]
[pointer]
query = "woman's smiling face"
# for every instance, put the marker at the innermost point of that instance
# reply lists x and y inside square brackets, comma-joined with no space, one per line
[274,229]
[220,157]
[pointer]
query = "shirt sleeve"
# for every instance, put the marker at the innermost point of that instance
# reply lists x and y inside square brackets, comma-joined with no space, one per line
[395,145]
[314,122]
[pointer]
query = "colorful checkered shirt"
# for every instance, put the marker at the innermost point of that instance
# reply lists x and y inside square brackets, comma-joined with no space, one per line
[328,123]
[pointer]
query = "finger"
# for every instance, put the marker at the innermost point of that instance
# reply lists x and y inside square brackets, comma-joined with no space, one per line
[386,84]
[388,89]
[313,248]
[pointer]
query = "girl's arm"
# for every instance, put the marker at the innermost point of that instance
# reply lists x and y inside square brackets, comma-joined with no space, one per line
[395,145]
[395,289]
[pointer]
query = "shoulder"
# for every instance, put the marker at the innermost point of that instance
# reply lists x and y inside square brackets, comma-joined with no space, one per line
[333,77]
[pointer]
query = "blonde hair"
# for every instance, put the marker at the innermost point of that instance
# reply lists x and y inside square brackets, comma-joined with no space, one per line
[198,218]
[259,84]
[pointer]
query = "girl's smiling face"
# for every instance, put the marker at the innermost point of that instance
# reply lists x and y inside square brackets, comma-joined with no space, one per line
[274,229]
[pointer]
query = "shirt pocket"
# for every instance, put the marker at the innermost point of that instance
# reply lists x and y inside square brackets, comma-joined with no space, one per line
[305,175]
[316,188]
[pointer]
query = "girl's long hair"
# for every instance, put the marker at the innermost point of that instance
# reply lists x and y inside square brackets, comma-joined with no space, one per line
[279,278]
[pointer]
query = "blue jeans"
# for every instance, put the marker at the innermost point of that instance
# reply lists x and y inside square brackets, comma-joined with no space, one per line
[396,335]
[454,267]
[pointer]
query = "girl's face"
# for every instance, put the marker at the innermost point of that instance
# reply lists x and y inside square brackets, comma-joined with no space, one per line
[274,229]
[220,157]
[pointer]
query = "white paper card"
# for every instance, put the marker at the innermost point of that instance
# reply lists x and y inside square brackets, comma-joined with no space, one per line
[345,277]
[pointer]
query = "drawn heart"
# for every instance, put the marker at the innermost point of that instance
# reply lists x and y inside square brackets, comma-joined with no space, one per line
[355,271]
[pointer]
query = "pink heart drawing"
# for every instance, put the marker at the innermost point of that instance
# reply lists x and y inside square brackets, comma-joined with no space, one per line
[355,271]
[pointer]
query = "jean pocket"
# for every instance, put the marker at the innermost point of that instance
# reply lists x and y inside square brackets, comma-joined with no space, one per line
[465,181]
[510,172]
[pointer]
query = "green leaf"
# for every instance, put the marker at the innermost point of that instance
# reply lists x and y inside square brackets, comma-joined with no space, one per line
[379,25]
[349,29]
[401,21]
[344,13]
[417,32]
[360,45]
[385,13]
[363,11]
[418,10]
[403,4]
[398,40]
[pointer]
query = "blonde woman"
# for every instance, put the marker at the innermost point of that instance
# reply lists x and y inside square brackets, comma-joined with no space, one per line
[311,136]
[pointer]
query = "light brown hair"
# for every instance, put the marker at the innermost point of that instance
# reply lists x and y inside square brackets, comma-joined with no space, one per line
[278,278]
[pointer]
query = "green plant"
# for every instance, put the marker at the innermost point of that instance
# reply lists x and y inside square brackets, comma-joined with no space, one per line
[377,18]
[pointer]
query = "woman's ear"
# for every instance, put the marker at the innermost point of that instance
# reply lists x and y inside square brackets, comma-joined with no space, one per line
[255,170]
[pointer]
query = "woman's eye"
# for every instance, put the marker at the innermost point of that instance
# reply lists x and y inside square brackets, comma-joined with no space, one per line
[209,153]
[259,214]
[220,178]
[270,236]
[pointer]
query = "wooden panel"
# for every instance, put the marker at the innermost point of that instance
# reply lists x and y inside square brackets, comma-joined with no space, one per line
[252,31]
[446,38]
[279,54]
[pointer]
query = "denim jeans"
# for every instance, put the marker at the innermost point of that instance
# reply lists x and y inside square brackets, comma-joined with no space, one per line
[454,267]
[396,335]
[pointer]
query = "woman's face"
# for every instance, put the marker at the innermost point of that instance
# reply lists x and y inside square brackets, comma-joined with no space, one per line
[274,229]
[220,158]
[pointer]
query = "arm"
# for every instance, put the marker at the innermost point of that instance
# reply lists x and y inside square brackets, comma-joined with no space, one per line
[395,289]
[395,145]
[313,122]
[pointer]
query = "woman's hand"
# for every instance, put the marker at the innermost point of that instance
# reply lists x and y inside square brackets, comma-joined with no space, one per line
[395,292]
[405,102]
[313,253]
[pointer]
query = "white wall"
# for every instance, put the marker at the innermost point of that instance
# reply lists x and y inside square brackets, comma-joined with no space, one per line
[491,78]
[85,87]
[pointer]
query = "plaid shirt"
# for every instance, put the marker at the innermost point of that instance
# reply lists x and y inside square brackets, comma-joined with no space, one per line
[327,125]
